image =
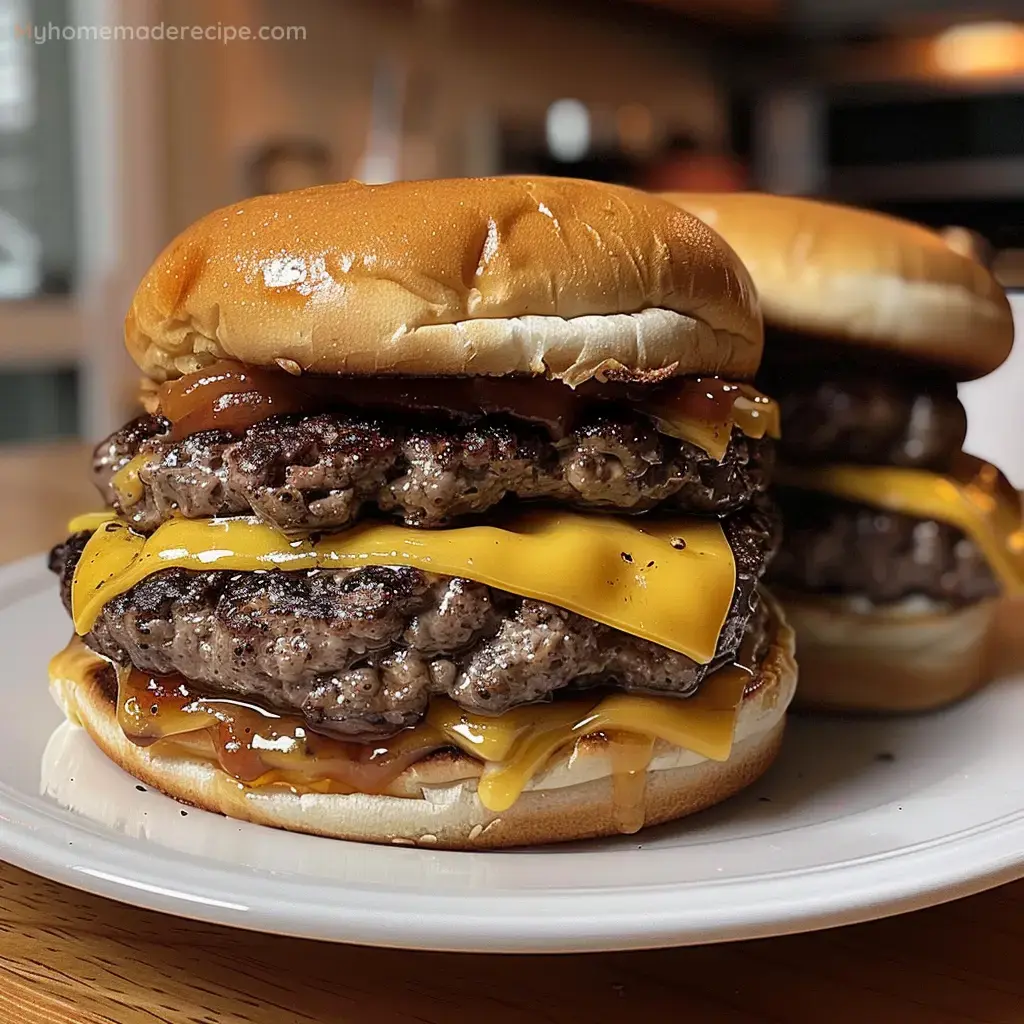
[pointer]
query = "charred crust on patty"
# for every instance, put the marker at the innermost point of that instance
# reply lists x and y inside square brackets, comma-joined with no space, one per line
[322,471]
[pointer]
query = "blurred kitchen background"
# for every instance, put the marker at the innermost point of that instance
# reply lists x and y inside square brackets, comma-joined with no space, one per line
[109,147]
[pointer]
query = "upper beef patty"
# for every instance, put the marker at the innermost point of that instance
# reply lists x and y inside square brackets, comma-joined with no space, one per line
[359,652]
[317,471]
[870,419]
[839,547]
[841,404]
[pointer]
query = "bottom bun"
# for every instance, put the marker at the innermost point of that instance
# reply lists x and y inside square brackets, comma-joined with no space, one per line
[573,797]
[900,659]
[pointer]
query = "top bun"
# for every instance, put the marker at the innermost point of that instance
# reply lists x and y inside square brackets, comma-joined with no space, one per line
[864,278]
[479,276]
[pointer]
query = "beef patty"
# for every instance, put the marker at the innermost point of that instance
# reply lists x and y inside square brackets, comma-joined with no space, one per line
[866,411]
[318,471]
[839,547]
[359,652]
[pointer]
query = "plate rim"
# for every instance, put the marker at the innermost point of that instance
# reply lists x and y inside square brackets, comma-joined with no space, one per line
[50,842]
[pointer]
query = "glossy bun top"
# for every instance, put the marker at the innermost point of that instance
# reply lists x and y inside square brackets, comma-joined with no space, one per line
[483,276]
[864,278]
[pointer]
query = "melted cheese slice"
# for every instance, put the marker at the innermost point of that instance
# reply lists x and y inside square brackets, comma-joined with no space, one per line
[976,500]
[668,581]
[87,522]
[752,412]
[519,743]
[514,746]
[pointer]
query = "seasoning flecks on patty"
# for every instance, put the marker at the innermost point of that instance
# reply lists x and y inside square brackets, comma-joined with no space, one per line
[832,546]
[359,652]
[317,472]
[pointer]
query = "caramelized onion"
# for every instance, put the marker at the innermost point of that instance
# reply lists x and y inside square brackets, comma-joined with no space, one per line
[257,746]
[704,398]
[230,396]
[227,396]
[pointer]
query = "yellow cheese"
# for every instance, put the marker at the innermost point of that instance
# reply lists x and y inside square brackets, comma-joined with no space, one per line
[976,500]
[670,581]
[517,750]
[88,522]
[127,484]
[751,412]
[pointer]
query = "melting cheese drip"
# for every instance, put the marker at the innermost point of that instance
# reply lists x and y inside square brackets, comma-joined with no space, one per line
[669,581]
[630,757]
[127,484]
[703,723]
[261,748]
[750,411]
[976,500]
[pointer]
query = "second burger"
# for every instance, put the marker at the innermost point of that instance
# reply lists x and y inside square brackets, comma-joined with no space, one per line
[898,545]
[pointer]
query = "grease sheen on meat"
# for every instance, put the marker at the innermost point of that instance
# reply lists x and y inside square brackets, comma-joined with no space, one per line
[319,471]
[360,652]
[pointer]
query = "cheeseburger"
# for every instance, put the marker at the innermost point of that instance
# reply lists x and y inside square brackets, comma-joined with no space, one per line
[445,524]
[897,544]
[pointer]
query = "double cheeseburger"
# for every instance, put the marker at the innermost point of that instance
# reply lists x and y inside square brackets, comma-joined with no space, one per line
[446,522]
[897,545]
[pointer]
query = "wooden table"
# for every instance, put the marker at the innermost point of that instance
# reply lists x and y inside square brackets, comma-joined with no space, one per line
[69,957]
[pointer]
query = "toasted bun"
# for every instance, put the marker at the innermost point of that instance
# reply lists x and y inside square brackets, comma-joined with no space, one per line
[480,276]
[861,277]
[893,660]
[572,798]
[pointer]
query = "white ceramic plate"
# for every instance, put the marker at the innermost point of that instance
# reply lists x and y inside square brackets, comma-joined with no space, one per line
[858,819]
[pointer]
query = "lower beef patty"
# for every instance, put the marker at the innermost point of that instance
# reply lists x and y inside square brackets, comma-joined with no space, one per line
[318,471]
[839,547]
[359,652]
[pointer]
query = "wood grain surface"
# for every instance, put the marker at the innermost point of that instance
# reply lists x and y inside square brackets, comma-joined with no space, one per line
[70,958]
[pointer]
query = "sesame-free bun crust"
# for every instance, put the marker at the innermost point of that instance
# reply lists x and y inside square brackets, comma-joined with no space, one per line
[480,276]
[864,278]
[437,805]
[890,660]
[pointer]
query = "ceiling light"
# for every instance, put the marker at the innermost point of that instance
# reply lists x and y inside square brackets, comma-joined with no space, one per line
[567,129]
[982,48]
